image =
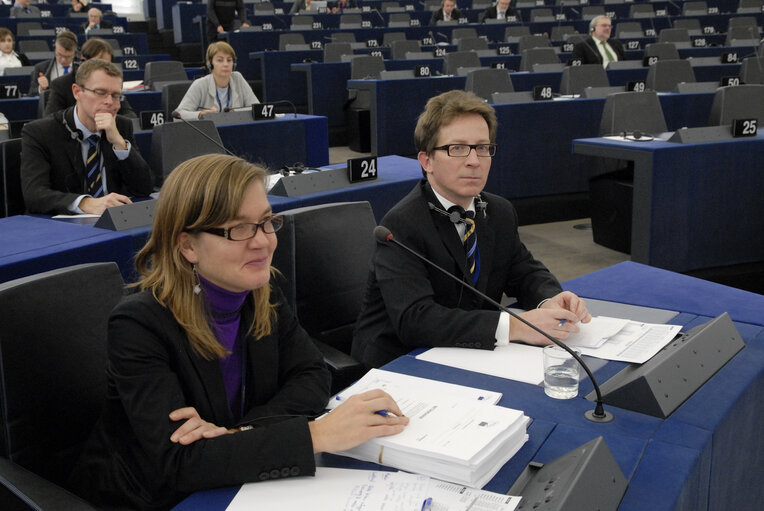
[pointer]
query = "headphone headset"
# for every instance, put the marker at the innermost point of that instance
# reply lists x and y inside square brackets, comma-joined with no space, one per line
[210,66]
[74,133]
[456,214]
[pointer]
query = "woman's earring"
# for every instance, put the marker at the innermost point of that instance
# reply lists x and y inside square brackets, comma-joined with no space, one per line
[197,286]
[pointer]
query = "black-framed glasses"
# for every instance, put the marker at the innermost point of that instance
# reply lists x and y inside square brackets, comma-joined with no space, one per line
[242,232]
[463,150]
[116,96]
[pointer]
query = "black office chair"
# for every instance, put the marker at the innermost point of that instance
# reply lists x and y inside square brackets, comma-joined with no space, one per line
[172,95]
[472,44]
[752,70]
[333,52]
[324,253]
[577,78]
[399,20]
[664,51]
[290,38]
[535,56]
[160,72]
[458,34]
[302,22]
[515,32]
[460,59]
[561,33]
[541,15]
[175,142]
[742,35]
[350,21]
[399,49]
[29,45]
[692,25]
[627,29]
[641,11]
[741,102]
[13,200]
[528,42]
[680,37]
[388,38]
[52,378]
[485,82]
[611,186]
[697,8]
[664,75]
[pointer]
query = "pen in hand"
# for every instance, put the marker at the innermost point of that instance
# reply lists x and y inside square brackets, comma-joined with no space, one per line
[562,322]
[386,413]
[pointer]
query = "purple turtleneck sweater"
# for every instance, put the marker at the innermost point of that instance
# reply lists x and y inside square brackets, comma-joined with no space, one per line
[225,308]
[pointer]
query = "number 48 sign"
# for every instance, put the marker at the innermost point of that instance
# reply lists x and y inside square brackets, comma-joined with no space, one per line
[362,169]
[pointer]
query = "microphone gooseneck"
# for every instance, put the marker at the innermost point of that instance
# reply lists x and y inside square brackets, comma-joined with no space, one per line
[384,235]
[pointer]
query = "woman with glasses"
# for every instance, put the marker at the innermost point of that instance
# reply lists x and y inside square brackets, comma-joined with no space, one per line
[212,382]
[222,90]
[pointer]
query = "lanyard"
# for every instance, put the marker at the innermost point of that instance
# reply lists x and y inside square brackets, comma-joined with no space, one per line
[228,98]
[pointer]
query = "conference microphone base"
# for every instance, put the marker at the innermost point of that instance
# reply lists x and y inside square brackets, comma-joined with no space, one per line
[606,417]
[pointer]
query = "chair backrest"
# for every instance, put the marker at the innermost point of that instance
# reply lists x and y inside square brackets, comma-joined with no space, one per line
[746,34]
[628,27]
[515,32]
[527,42]
[389,37]
[333,52]
[18,71]
[396,74]
[53,364]
[13,200]
[752,70]
[696,8]
[669,35]
[472,43]
[458,34]
[302,22]
[23,27]
[641,11]
[538,56]
[691,24]
[632,111]
[365,67]
[541,15]
[399,19]
[741,102]
[350,21]
[589,12]
[485,82]
[28,45]
[172,95]
[399,48]
[343,37]
[457,59]
[577,78]
[175,142]
[664,75]
[560,33]
[264,8]
[741,21]
[324,254]
[290,38]
[664,51]
[163,71]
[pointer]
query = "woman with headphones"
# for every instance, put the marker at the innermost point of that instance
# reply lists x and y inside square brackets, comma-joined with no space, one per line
[9,57]
[223,89]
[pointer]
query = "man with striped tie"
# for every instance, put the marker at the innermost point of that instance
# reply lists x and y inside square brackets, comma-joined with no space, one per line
[82,159]
[450,220]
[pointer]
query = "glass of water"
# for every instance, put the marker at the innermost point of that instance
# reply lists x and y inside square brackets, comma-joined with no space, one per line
[560,373]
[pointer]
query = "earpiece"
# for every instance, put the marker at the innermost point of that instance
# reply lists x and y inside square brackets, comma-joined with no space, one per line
[454,213]
[74,133]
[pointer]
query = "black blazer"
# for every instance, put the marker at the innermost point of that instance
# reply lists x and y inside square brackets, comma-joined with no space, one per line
[46,68]
[53,172]
[61,97]
[103,24]
[493,13]
[587,52]
[438,15]
[409,304]
[152,370]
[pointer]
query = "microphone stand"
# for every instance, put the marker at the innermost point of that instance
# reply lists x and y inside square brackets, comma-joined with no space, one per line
[383,234]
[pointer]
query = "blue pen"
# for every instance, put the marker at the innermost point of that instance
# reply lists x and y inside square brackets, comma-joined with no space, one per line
[427,504]
[562,322]
[385,413]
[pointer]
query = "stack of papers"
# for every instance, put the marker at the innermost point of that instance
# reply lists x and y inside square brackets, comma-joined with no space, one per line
[352,490]
[455,433]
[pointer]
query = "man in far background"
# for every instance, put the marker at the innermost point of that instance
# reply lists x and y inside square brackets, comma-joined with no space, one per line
[447,12]
[22,9]
[46,71]
[500,10]
[221,15]
[599,48]
[95,20]
[61,96]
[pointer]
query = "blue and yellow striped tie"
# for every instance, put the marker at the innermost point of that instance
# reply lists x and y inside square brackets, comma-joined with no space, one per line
[471,247]
[93,167]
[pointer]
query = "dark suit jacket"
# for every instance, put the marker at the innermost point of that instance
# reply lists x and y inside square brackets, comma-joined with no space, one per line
[438,15]
[153,370]
[409,304]
[61,97]
[587,51]
[52,170]
[46,68]
[492,13]
[104,24]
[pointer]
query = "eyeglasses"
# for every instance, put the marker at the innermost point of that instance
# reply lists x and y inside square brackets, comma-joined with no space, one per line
[103,94]
[64,56]
[242,232]
[463,150]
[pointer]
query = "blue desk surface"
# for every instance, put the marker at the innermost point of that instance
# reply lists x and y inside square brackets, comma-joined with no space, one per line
[695,205]
[706,456]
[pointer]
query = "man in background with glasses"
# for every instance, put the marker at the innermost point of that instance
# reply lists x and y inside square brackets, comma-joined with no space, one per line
[471,234]
[82,159]
[60,65]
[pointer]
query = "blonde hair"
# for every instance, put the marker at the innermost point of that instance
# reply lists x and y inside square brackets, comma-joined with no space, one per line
[220,47]
[203,192]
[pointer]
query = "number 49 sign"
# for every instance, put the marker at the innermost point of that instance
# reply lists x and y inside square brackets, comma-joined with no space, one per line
[362,169]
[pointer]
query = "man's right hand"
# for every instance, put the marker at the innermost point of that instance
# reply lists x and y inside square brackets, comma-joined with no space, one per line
[42,82]
[97,206]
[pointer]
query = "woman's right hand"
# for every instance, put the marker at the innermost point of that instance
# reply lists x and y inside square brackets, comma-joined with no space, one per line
[195,428]
[208,111]
[355,421]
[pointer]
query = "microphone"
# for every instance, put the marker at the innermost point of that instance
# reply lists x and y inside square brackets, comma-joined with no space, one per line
[176,115]
[383,235]
[285,102]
